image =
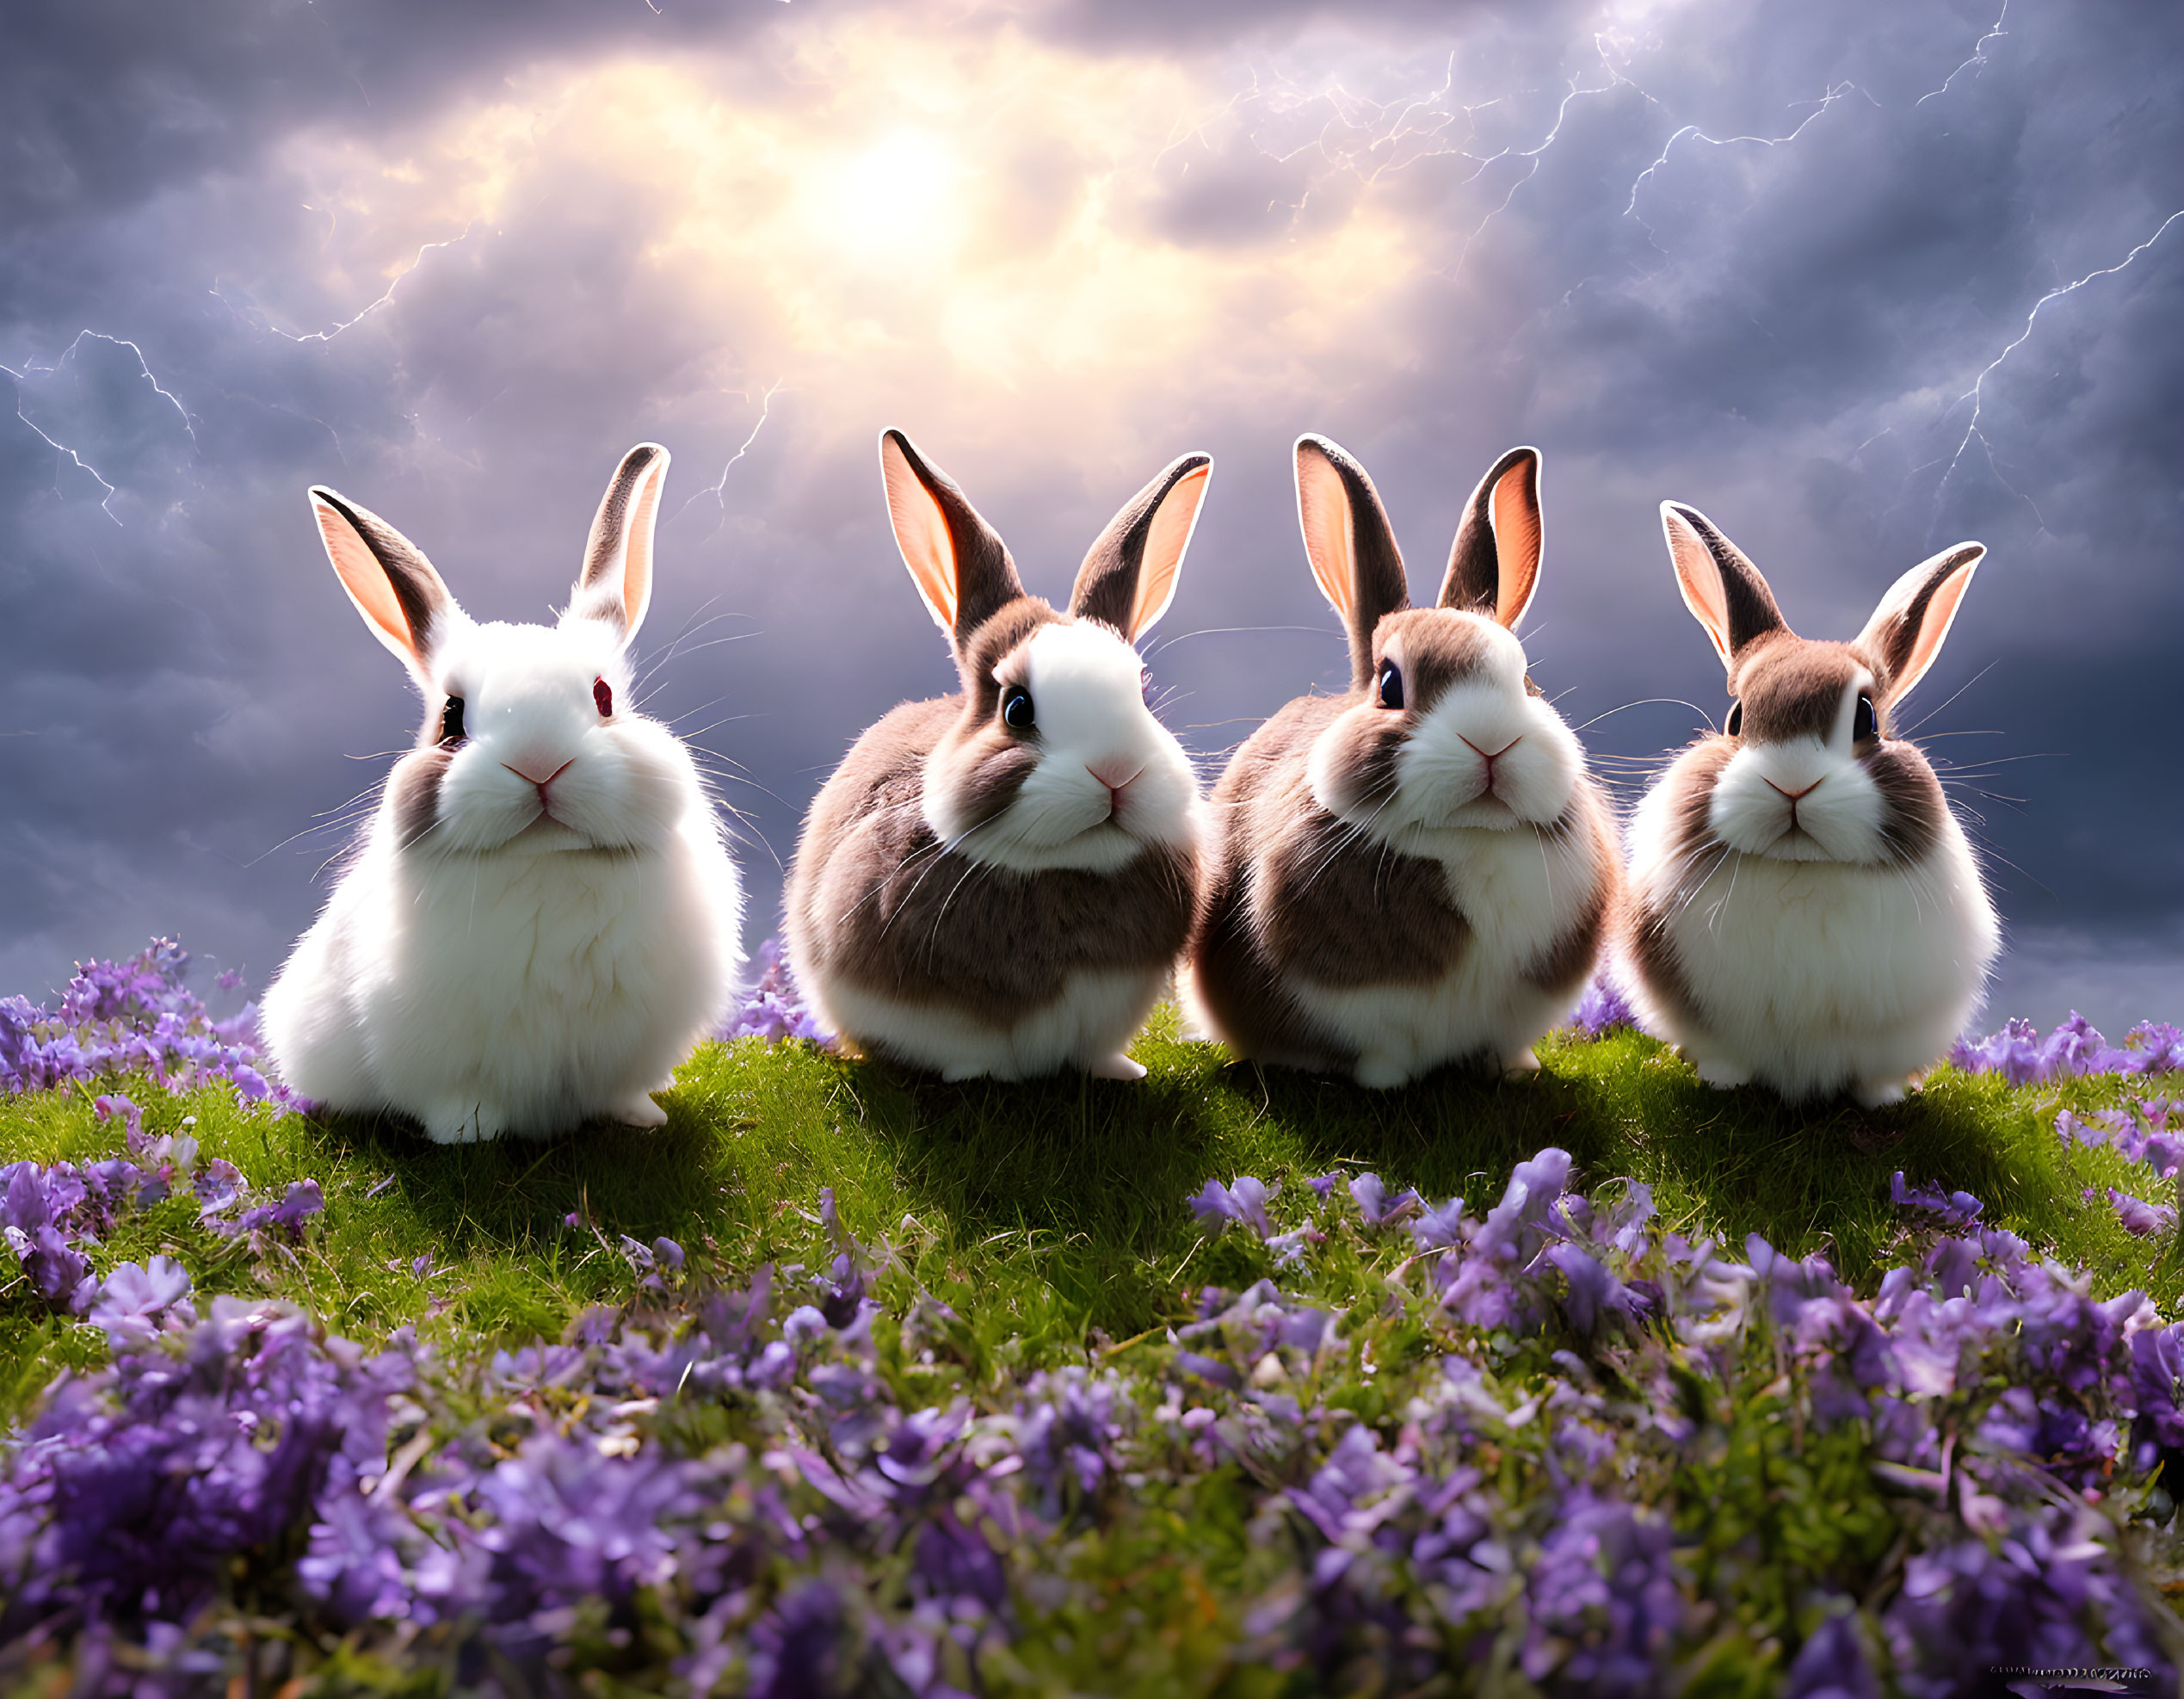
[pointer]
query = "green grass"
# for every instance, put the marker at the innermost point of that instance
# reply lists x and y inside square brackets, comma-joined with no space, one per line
[1042,1213]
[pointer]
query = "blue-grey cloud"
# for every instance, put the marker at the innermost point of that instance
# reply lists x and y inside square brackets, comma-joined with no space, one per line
[1781,261]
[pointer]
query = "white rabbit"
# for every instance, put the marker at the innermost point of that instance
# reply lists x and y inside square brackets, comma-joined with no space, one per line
[998,882]
[1419,871]
[1805,912]
[542,919]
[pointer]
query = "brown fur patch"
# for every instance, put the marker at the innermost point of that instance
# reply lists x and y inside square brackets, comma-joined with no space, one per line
[1792,688]
[1337,909]
[987,653]
[1437,646]
[1693,848]
[874,898]
[1365,741]
[414,787]
[1912,796]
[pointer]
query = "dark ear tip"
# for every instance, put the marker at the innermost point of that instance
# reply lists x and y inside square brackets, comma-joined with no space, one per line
[1324,447]
[643,454]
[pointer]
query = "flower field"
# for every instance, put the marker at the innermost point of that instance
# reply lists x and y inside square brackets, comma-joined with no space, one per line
[850,1383]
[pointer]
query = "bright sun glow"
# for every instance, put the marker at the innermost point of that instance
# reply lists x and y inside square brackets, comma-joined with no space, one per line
[894,202]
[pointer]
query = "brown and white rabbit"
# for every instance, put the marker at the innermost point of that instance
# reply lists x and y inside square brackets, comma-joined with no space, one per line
[1420,871]
[998,882]
[540,922]
[1805,912]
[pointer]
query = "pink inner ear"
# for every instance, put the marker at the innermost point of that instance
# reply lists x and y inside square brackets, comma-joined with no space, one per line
[365,580]
[1161,567]
[1516,540]
[1699,578]
[921,534]
[1323,512]
[637,567]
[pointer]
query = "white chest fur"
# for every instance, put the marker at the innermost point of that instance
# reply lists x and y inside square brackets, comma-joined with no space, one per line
[1815,976]
[1518,891]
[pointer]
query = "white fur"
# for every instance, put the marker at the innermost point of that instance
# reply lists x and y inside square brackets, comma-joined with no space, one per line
[1815,975]
[528,964]
[1087,1026]
[1088,699]
[1519,890]
[1840,816]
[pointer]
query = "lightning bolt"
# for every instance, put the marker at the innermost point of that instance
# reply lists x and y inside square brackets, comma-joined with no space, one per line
[364,313]
[714,489]
[62,447]
[1977,393]
[1995,32]
[143,369]
[1691,131]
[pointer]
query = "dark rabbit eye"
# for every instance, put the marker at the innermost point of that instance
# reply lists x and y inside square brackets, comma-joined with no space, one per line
[1734,726]
[1866,725]
[451,721]
[1016,708]
[603,694]
[1390,685]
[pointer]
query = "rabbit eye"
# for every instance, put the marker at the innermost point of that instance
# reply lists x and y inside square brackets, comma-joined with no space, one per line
[451,721]
[1865,725]
[1390,685]
[1016,708]
[603,694]
[1734,726]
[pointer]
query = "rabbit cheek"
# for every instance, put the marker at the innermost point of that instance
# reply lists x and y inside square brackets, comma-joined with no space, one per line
[1353,765]
[1913,811]
[413,793]
[971,782]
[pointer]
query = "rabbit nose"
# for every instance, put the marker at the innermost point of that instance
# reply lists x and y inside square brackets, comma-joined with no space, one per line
[1115,775]
[531,768]
[1795,796]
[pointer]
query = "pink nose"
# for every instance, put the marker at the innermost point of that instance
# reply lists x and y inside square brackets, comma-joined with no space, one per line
[1115,774]
[530,770]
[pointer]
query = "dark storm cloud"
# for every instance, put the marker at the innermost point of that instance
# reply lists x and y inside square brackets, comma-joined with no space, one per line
[1772,322]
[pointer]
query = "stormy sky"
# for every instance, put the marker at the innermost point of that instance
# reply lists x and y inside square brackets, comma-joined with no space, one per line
[1859,279]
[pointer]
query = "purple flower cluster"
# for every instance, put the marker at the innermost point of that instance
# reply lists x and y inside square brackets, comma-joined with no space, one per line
[1551,1439]
[51,1215]
[2138,1131]
[2021,1056]
[1603,1007]
[135,1016]
[773,1009]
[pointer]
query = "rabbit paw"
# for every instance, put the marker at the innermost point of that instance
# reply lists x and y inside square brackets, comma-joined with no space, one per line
[1522,1065]
[639,1111]
[1874,1094]
[1382,1073]
[455,1123]
[1723,1076]
[1117,1066]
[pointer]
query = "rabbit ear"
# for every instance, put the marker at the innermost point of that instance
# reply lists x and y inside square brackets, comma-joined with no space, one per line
[1494,565]
[1906,631]
[1723,588]
[1352,549]
[616,583]
[1129,576]
[386,576]
[957,562]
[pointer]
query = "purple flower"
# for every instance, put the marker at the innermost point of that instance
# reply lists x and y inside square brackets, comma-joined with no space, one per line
[1244,1201]
[1603,1007]
[133,1301]
[775,1009]
[1957,1209]
[1378,1209]
[2140,1218]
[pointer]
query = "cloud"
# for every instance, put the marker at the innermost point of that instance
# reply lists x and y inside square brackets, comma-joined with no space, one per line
[1756,257]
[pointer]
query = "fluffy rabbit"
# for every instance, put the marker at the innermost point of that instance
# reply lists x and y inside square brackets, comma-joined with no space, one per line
[1418,872]
[541,921]
[1805,911]
[998,882]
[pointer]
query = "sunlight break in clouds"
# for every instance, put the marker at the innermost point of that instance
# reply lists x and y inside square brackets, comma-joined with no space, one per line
[959,233]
